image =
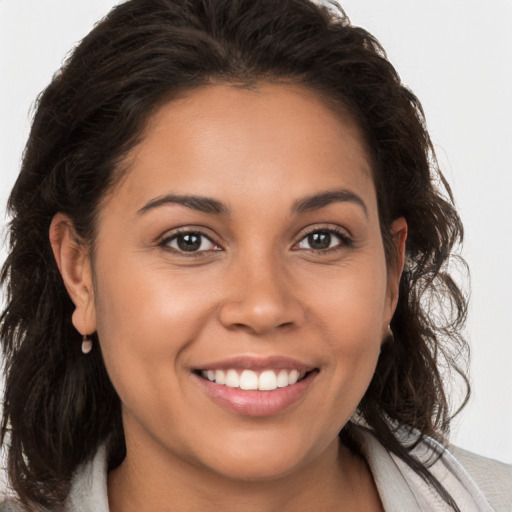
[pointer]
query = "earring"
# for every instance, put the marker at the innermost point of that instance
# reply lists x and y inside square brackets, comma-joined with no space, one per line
[390,334]
[86,344]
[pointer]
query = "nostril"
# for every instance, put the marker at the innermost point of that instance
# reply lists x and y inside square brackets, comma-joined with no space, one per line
[261,312]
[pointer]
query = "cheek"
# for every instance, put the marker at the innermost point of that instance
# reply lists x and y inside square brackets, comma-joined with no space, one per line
[351,303]
[137,299]
[349,308]
[146,318]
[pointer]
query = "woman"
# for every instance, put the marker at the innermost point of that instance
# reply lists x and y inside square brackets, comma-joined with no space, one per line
[226,233]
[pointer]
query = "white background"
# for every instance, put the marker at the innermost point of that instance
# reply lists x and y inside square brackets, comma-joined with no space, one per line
[456,56]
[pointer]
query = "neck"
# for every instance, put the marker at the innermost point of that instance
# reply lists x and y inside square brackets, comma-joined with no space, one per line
[147,480]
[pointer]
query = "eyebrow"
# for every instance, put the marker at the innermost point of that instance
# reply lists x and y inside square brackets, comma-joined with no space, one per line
[323,199]
[208,205]
[198,203]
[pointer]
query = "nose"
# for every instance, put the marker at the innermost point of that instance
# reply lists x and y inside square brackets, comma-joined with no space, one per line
[261,298]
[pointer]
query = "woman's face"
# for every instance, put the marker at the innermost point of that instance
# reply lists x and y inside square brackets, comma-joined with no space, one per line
[243,246]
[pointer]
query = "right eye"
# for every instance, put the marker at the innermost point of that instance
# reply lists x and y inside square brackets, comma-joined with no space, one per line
[190,242]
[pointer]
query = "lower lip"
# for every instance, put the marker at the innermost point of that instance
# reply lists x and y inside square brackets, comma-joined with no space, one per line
[257,403]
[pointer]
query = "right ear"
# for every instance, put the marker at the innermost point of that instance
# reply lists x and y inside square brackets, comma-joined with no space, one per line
[73,261]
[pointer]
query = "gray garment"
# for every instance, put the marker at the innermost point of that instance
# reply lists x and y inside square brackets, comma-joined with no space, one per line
[476,483]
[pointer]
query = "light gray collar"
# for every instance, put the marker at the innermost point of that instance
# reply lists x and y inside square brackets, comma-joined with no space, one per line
[89,486]
[402,489]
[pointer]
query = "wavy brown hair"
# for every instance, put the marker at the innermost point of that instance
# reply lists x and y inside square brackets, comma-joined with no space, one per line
[58,405]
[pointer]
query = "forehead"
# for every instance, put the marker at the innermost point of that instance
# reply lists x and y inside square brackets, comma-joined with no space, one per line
[224,140]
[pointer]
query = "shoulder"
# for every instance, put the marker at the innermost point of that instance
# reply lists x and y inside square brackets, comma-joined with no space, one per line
[11,505]
[494,478]
[88,492]
[474,482]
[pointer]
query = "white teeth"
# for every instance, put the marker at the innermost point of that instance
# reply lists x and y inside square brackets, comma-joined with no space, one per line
[248,380]
[282,379]
[267,380]
[232,379]
[293,377]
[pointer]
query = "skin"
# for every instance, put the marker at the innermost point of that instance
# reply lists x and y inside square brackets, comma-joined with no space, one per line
[258,289]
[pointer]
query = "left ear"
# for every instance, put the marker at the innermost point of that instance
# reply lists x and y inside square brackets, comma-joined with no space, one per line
[396,265]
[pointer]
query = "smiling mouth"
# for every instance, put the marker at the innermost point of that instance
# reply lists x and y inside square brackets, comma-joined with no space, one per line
[245,379]
[255,387]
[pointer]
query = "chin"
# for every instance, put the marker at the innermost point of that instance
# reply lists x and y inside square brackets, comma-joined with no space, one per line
[259,468]
[261,458]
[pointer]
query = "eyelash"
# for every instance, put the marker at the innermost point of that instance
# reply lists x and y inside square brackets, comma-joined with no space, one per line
[345,241]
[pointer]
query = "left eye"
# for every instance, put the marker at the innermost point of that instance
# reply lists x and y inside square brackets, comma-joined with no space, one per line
[321,240]
[190,242]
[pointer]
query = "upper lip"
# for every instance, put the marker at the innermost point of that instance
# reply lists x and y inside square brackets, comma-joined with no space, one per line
[258,363]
